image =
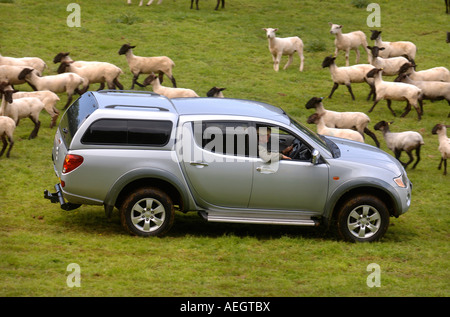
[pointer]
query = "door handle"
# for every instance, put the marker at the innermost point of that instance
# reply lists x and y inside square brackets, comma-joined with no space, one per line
[265,170]
[199,164]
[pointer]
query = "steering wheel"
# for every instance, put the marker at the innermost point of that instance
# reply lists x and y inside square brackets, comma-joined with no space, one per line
[295,148]
[299,151]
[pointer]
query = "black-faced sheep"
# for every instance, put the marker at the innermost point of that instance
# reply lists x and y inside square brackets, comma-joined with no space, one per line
[215,92]
[339,133]
[394,49]
[444,144]
[33,62]
[433,74]
[7,127]
[391,66]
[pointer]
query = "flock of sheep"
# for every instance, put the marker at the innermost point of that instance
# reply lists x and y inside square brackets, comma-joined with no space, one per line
[384,59]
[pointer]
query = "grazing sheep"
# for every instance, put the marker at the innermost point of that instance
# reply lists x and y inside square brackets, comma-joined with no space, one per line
[348,75]
[395,91]
[215,92]
[217,6]
[140,2]
[391,66]
[49,99]
[398,142]
[431,90]
[7,127]
[284,46]
[169,92]
[67,82]
[348,41]
[147,65]
[444,144]
[432,74]
[342,120]
[21,108]
[97,72]
[339,133]
[394,49]
[33,62]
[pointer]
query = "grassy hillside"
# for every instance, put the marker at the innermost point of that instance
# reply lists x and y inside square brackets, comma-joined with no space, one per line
[225,48]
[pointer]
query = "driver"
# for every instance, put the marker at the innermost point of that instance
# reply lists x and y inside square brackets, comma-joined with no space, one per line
[265,153]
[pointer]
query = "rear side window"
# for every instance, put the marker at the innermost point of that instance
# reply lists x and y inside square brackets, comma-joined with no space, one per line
[128,132]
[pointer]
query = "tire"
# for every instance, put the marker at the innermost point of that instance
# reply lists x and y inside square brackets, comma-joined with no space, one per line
[147,212]
[363,218]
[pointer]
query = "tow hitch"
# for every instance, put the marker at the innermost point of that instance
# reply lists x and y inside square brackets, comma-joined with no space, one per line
[58,198]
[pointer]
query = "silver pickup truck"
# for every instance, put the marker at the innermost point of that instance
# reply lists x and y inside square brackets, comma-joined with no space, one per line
[230,160]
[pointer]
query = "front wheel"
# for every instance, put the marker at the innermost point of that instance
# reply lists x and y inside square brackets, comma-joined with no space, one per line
[363,218]
[147,212]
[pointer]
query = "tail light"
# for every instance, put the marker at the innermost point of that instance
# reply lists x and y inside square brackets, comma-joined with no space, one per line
[71,162]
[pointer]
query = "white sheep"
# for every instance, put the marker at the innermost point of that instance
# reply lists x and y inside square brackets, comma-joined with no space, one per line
[391,66]
[342,120]
[147,65]
[67,82]
[398,142]
[10,74]
[284,46]
[215,92]
[395,91]
[49,99]
[169,92]
[348,75]
[394,49]
[33,62]
[348,41]
[29,107]
[7,127]
[96,72]
[431,90]
[432,74]
[140,2]
[335,132]
[444,144]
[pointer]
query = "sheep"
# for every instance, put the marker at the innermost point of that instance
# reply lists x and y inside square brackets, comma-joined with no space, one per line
[398,142]
[140,3]
[217,6]
[340,133]
[432,74]
[67,82]
[394,49]
[33,62]
[395,91]
[21,108]
[431,90]
[215,92]
[10,74]
[169,92]
[96,72]
[444,144]
[348,75]
[348,41]
[342,120]
[391,66]
[49,99]
[7,127]
[284,46]
[147,65]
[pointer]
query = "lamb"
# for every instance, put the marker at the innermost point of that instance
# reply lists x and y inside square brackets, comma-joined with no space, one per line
[342,120]
[444,144]
[217,6]
[67,82]
[348,41]
[7,127]
[348,75]
[391,66]
[147,65]
[33,62]
[169,92]
[49,99]
[340,133]
[432,74]
[394,49]
[140,3]
[395,91]
[215,92]
[21,108]
[96,72]
[398,142]
[284,46]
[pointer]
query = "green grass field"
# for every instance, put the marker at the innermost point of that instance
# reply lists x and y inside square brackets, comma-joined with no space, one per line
[224,48]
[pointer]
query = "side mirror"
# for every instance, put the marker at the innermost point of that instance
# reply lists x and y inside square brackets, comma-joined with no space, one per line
[315,157]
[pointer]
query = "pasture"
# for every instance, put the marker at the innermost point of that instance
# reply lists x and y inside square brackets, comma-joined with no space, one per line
[224,48]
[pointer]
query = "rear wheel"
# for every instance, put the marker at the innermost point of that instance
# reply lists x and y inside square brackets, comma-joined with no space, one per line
[363,218]
[147,212]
